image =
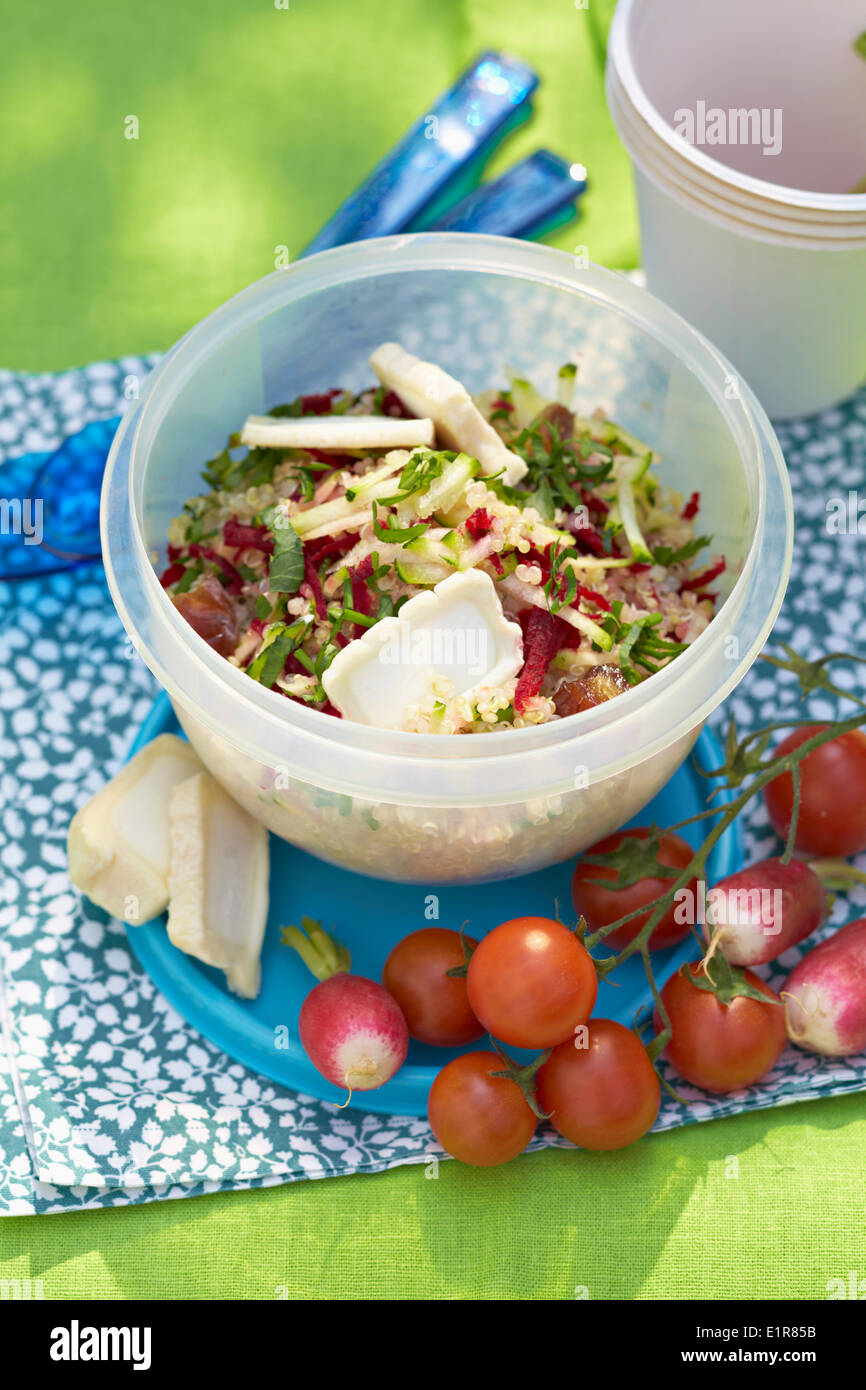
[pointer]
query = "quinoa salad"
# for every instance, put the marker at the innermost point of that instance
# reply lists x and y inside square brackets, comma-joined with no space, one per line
[335,512]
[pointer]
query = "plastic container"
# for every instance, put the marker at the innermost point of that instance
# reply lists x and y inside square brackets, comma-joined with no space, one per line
[775,273]
[417,807]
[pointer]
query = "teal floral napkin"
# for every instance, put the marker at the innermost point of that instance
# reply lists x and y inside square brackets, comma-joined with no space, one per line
[107,1096]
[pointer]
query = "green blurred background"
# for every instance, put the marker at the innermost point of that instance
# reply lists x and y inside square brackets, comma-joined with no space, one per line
[255,123]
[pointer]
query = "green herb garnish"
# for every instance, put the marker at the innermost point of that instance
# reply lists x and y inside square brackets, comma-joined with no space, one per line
[287,562]
[664,555]
[281,642]
[401,535]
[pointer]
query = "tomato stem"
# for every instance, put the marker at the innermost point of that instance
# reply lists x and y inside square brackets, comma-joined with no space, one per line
[524,1077]
[744,758]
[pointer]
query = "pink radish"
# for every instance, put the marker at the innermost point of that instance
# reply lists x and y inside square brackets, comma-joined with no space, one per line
[756,914]
[825,995]
[352,1029]
[353,1032]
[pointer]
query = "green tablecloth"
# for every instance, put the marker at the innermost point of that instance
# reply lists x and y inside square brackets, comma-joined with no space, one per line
[254,123]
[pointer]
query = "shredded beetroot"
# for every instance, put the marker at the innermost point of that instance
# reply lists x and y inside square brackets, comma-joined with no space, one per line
[593,503]
[535,557]
[593,596]
[258,626]
[364,570]
[705,577]
[392,405]
[293,667]
[479,523]
[171,576]
[638,567]
[362,599]
[541,642]
[691,507]
[496,563]
[503,405]
[328,708]
[327,547]
[588,540]
[319,402]
[568,636]
[242,537]
[234,581]
[335,461]
[314,585]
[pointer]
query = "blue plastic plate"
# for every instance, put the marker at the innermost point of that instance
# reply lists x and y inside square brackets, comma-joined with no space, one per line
[369,917]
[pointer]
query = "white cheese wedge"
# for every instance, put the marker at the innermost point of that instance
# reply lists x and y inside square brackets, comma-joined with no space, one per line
[456,631]
[118,841]
[338,432]
[428,390]
[218,881]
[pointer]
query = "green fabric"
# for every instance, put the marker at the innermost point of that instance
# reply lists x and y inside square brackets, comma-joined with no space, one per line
[254,123]
[665,1219]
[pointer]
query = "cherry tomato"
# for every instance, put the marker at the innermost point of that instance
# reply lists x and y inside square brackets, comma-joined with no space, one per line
[832,819]
[479,1118]
[435,1005]
[208,608]
[721,1047]
[604,1095]
[601,905]
[531,982]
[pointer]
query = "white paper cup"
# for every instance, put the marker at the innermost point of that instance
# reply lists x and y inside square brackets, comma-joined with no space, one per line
[792,319]
[656,161]
[788,56]
[773,272]
[723,197]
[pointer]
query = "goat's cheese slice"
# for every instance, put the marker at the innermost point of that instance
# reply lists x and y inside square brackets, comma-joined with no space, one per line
[428,390]
[454,632]
[338,432]
[118,841]
[218,881]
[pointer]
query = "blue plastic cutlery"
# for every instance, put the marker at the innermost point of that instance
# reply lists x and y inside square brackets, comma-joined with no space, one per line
[526,201]
[438,156]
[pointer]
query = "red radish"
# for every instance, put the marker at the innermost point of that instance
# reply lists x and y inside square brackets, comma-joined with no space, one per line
[352,1029]
[756,914]
[353,1032]
[825,995]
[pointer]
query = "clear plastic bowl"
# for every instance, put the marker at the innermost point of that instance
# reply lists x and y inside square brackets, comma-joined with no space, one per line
[422,808]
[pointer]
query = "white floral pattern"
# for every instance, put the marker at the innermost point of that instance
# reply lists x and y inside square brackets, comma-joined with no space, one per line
[106,1096]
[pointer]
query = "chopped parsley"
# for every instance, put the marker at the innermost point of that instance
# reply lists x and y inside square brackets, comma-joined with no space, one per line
[640,646]
[556,466]
[281,642]
[401,535]
[287,562]
[561,587]
[664,555]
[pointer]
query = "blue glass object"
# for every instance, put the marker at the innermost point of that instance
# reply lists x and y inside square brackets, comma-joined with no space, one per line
[50,504]
[523,202]
[454,137]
